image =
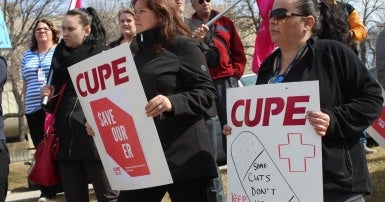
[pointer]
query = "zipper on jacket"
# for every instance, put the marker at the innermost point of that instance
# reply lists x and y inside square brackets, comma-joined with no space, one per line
[69,123]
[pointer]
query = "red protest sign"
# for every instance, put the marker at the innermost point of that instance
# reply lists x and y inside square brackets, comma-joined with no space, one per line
[120,138]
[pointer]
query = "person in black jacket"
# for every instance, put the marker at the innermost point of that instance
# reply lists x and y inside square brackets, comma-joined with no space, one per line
[78,159]
[127,27]
[4,155]
[179,90]
[201,34]
[350,98]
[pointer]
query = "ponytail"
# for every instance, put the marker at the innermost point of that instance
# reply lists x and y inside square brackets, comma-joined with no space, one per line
[89,17]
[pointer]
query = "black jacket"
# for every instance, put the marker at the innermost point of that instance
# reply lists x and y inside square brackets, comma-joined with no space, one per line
[352,99]
[180,73]
[69,126]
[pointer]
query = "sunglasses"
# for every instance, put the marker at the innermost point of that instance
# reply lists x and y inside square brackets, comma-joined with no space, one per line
[282,13]
[202,1]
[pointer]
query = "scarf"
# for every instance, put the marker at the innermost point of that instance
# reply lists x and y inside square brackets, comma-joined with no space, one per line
[65,57]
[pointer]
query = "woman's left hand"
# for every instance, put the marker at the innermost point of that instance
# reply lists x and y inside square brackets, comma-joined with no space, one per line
[157,105]
[89,129]
[320,122]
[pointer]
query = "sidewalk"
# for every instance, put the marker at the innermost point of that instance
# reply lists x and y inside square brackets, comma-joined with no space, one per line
[25,196]
[33,196]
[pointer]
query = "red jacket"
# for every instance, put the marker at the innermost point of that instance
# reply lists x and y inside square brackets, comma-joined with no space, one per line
[232,57]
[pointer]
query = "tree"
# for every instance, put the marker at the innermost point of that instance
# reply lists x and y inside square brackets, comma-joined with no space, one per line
[20,17]
[371,11]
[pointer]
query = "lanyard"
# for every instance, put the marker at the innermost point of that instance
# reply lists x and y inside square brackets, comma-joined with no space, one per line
[276,78]
[42,58]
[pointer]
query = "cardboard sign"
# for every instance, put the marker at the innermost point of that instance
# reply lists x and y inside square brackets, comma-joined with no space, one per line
[113,100]
[273,153]
[377,129]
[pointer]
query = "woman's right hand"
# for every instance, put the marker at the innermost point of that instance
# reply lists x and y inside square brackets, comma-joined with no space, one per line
[89,129]
[226,130]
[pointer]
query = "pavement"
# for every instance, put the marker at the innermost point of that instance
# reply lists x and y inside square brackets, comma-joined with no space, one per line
[33,196]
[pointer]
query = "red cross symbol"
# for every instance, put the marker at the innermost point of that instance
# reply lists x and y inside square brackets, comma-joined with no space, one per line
[296,152]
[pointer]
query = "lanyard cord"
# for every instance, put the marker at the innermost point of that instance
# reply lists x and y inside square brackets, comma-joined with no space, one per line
[41,59]
[279,78]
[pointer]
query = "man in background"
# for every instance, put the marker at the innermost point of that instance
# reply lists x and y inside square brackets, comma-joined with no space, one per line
[4,155]
[232,58]
[201,34]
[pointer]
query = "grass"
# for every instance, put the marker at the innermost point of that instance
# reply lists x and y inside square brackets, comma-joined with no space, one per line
[376,163]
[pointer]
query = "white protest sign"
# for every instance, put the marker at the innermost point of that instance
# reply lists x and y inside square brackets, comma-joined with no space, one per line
[113,100]
[274,155]
[377,129]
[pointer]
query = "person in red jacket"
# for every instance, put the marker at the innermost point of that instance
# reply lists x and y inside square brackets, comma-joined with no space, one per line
[232,57]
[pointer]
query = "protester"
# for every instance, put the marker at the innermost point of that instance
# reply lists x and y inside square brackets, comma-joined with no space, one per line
[201,34]
[232,58]
[334,23]
[177,84]
[35,66]
[380,58]
[127,27]
[350,98]
[336,26]
[78,159]
[357,30]
[4,155]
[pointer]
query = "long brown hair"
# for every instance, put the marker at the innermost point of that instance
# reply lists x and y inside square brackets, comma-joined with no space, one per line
[55,33]
[171,24]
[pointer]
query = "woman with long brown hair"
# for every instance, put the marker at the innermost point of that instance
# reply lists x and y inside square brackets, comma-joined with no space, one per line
[179,90]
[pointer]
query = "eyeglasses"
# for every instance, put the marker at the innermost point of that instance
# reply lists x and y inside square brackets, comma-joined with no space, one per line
[202,1]
[42,29]
[280,14]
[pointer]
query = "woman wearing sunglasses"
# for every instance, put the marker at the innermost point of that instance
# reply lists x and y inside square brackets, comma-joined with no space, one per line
[350,98]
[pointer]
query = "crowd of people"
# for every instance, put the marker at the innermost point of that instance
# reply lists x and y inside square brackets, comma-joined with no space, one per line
[185,67]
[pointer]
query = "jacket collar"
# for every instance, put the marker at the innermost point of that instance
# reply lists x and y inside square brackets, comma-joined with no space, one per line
[147,39]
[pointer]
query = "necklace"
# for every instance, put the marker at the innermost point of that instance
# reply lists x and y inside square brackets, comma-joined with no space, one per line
[278,78]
